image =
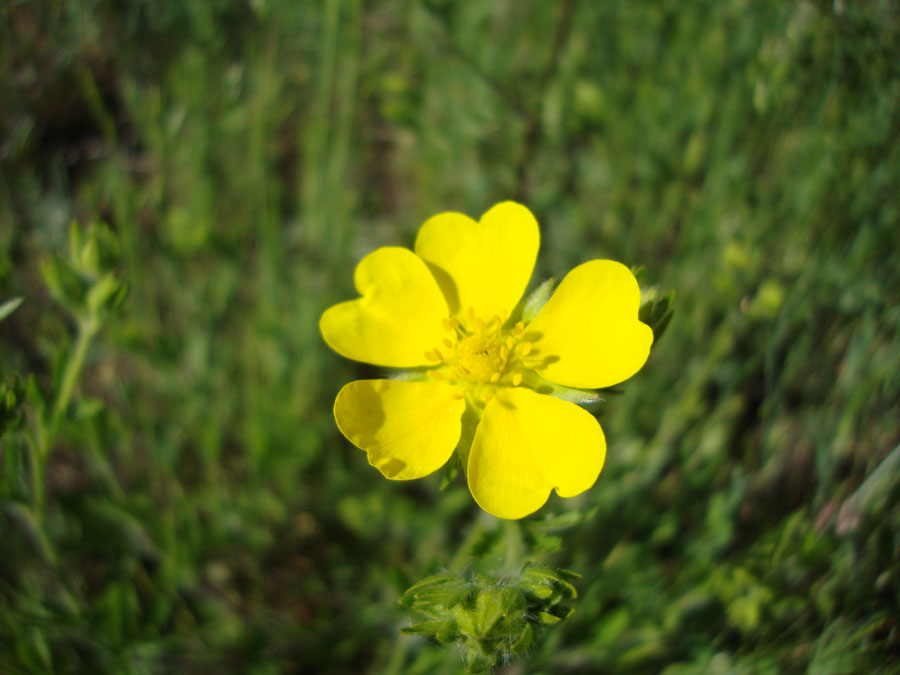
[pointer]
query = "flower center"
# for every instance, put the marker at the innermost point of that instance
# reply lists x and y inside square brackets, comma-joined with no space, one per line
[480,355]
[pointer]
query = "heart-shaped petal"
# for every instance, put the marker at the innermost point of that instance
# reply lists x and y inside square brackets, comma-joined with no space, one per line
[484,265]
[588,334]
[408,429]
[528,444]
[397,319]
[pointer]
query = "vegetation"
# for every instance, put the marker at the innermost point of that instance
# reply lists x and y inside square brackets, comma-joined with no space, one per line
[174,495]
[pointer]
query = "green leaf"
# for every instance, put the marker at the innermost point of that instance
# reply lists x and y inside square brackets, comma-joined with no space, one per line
[521,645]
[497,610]
[562,521]
[444,590]
[548,619]
[11,397]
[23,519]
[9,307]
[429,628]
[66,287]
[103,292]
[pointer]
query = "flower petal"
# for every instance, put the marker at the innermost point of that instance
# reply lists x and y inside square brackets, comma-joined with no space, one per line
[528,444]
[397,319]
[408,429]
[588,334]
[484,265]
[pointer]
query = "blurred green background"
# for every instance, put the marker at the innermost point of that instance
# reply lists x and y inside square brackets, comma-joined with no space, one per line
[202,512]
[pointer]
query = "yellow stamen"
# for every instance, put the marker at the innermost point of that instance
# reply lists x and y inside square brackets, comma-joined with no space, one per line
[517,379]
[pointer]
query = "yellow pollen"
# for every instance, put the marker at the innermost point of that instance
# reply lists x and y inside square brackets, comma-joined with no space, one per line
[480,353]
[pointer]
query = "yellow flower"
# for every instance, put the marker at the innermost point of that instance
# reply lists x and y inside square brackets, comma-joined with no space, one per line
[446,310]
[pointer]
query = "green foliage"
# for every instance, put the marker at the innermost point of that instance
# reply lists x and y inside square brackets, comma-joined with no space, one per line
[492,619]
[173,493]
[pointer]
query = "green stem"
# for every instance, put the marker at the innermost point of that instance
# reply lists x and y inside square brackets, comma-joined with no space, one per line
[87,328]
[461,558]
[45,432]
[514,547]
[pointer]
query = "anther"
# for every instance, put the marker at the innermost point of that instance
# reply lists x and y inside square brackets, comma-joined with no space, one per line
[510,342]
[432,355]
[450,325]
[448,343]
[525,349]
[519,327]
[495,377]
[517,379]
[487,396]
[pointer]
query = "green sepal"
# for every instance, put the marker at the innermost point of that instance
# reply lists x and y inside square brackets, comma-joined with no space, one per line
[575,395]
[450,472]
[656,311]
[536,300]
